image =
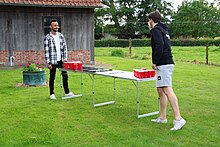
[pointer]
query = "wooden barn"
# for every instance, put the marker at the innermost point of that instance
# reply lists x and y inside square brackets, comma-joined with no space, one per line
[24,23]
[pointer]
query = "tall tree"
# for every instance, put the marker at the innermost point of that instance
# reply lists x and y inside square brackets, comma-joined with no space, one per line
[111,13]
[129,16]
[196,18]
[147,6]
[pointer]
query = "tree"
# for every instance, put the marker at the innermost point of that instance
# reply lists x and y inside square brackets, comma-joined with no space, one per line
[98,24]
[196,18]
[111,13]
[147,6]
[129,16]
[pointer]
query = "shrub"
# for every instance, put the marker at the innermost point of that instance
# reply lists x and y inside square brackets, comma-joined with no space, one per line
[33,67]
[117,53]
[111,43]
[147,42]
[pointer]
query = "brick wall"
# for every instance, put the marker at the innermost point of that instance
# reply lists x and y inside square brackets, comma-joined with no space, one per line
[4,57]
[24,56]
[79,55]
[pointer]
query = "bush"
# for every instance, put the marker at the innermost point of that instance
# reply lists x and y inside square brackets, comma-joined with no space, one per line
[117,53]
[147,42]
[111,43]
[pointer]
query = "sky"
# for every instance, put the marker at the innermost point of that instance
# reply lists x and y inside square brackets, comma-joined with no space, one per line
[178,2]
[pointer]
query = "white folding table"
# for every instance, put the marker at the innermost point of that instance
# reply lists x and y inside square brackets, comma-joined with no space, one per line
[119,74]
[116,74]
[61,91]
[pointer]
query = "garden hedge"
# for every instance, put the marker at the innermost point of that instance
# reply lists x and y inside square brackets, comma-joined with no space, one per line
[146,42]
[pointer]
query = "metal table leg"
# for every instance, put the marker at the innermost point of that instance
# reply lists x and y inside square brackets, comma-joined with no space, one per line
[138,102]
[81,83]
[93,93]
[61,92]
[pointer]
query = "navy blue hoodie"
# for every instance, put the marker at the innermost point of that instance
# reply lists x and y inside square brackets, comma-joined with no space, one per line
[161,47]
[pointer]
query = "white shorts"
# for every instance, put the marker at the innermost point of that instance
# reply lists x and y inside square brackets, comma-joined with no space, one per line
[164,75]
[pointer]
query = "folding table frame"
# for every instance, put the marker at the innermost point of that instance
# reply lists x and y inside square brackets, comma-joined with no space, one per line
[61,86]
[125,75]
[115,74]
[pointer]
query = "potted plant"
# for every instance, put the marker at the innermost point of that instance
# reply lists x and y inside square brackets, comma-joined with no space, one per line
[34,74]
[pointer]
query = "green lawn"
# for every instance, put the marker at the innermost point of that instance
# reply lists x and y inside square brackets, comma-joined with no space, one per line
[29,118]
[181,54]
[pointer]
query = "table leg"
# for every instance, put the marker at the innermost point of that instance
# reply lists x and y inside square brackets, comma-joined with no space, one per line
[61,91]
[137,97]
[81,83]
[138,102]
[93,93]
[114,90]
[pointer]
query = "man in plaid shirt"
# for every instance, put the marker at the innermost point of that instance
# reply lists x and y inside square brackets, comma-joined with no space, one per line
[55,54]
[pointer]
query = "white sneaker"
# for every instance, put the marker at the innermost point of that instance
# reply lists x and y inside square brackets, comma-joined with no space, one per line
[52,97]
[178,124]
[70,94]
[159,120]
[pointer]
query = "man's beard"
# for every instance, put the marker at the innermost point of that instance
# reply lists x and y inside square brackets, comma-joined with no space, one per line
[55,30]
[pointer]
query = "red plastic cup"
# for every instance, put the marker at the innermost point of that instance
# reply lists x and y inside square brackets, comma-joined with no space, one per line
[79,65]
[66,65]
[135,73]
[71,65]
[144,72]
[152,73]
[75,66]
[148,74]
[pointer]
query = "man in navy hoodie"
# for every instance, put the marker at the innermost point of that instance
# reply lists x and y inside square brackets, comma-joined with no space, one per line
[163,63]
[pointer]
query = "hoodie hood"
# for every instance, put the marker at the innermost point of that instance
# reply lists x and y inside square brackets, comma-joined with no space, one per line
[164,26]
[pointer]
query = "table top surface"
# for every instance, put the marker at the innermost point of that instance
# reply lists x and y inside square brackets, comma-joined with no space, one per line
[115,74]
[123,75]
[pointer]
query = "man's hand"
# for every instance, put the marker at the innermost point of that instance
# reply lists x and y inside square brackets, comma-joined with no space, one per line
[64,62]
[154,66]
[49,66]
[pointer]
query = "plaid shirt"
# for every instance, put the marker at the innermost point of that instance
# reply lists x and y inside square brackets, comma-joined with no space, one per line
[50,48]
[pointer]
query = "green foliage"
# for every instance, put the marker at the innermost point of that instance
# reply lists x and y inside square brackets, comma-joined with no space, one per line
[193,19]
[141,42]
[196,18]
[117,53]
[33,67]
[196,54]
[146,42]
[129,16]
[111,43]
[193,42]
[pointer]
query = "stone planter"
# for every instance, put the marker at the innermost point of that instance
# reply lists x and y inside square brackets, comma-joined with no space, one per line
[34,78]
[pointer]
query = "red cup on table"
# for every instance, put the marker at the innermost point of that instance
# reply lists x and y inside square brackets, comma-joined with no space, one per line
[66,65]
[75,66]
[79,65]
[148,74]
[70,66]
[135,73]
[144,72]
[152,73]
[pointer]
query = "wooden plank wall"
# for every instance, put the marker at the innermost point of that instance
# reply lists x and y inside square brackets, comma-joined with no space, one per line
[22,27]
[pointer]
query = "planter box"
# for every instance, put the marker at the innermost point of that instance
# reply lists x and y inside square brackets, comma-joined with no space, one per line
[34,78]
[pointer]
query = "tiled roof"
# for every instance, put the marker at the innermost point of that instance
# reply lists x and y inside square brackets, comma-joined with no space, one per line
[53,3]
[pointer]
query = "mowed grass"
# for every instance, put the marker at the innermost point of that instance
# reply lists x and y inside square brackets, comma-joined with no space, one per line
[196,54]
[29,118]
